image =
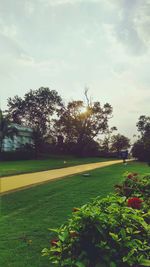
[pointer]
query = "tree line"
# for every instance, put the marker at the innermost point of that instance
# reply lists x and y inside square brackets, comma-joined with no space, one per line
[74,127]
[141,148]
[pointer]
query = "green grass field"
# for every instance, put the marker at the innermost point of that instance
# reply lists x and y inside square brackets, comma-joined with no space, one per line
[25,166]
[27,215]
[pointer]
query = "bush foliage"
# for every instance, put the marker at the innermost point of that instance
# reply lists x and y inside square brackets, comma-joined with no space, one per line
[134,185]
[113,231]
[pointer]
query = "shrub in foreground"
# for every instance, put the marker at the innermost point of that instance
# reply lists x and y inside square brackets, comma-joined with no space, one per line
[106,232]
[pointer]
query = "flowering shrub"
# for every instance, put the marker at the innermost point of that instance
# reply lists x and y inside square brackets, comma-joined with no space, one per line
[109,232]
[134,185]
[135,202]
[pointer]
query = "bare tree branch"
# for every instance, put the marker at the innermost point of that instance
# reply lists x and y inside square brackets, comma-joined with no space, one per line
[86,96]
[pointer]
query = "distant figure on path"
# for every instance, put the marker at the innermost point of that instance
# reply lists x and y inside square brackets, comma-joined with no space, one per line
[124,155]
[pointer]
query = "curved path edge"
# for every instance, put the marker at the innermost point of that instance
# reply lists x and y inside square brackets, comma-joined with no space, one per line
[22,181]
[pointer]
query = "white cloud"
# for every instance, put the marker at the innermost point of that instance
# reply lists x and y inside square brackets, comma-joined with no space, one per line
[8,31]
[29,7]
[132,26]
[64,2]
[66,44]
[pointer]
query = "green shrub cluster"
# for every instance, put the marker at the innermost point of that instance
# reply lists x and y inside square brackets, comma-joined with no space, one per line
[109,232]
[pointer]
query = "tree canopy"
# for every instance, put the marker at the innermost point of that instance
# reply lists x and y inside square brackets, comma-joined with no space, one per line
[35,110]
[76,124]
[143,126]
[119,142]
[81,122]
[141,148]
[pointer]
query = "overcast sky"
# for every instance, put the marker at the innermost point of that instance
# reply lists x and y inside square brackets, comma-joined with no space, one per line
[69,44]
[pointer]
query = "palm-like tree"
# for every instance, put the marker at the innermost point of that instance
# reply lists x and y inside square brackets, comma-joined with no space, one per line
[6,129]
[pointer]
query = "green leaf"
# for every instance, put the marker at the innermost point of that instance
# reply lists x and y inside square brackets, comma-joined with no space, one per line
[45,252]
[114,236]
[125,259]
[63,236]
[123,233]
[145,262]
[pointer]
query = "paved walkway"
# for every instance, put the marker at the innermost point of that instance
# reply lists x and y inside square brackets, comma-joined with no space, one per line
[18,182]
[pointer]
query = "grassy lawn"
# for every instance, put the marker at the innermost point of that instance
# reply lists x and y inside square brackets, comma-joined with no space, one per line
[27,215]
[25,166]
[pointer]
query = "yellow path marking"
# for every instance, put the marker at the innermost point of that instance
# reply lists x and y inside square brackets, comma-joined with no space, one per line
[15,182]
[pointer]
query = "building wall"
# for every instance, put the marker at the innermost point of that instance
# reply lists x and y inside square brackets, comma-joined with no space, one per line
[23,137]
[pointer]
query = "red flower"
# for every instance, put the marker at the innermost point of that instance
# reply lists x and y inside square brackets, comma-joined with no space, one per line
[135,202]
[54,242]
[130,176]
[75,209]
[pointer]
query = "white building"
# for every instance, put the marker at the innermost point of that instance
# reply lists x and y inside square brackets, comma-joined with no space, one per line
[23,137]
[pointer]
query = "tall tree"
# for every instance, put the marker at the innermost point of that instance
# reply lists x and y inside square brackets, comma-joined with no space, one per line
[106,142]
[143,126]
[35,110]
[141,148]
[80,122]
[119,142]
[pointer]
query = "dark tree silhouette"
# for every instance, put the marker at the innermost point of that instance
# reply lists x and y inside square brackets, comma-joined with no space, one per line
[141,148]
[36,110]
[80,122]
[119,142]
